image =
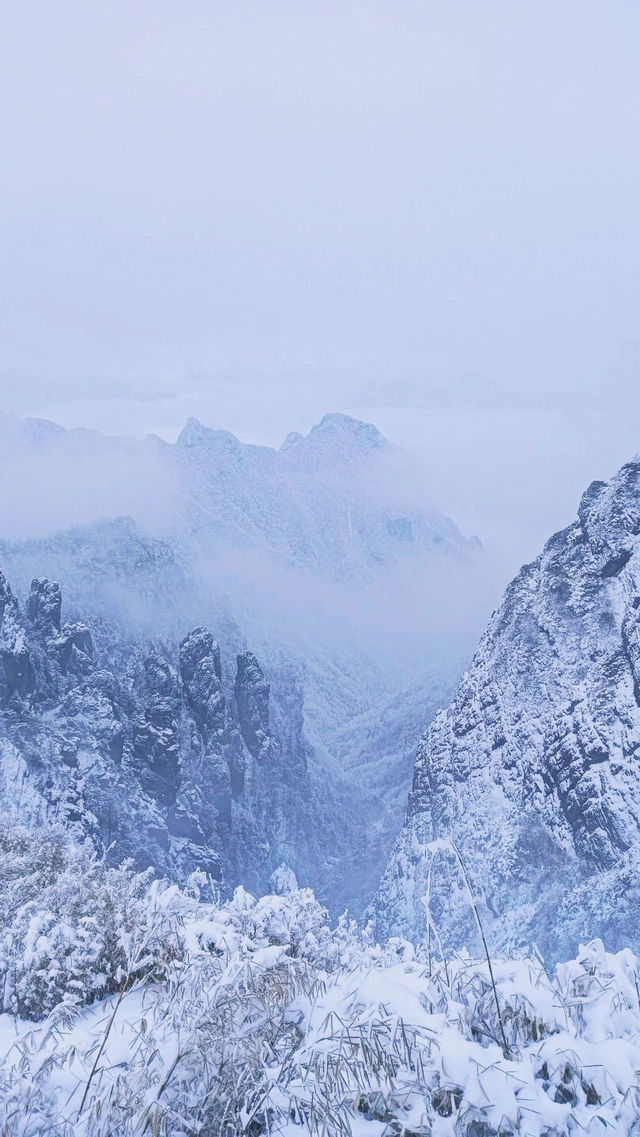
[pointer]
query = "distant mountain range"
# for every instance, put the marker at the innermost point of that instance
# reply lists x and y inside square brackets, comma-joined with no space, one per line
[340,501]
[335,502]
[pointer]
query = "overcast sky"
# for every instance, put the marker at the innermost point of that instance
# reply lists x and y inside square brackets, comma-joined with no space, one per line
[424,214]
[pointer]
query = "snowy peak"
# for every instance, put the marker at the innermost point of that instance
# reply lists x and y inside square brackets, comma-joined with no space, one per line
[331,428]
[331,502]
[219,443]
[609,515]
[292,439]
[336,435]
[365,434]
[337,444]
[340,502]
[192,433]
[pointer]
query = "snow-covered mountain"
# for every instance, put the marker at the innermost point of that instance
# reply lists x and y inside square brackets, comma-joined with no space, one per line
[341,501]
[335,501]
[322,558]
[533,770]
[329,542]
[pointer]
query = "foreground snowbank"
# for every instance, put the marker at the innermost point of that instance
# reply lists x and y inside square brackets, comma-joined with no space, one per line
[262,1020]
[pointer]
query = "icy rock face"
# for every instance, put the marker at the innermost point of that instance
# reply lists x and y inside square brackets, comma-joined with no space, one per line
[201,676]
[156,732]
[533,769]
[5,595]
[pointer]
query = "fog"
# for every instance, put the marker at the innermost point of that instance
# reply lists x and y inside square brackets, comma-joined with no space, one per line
[421,214]
[51,479]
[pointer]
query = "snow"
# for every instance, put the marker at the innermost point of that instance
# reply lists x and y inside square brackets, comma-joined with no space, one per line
[132,1007]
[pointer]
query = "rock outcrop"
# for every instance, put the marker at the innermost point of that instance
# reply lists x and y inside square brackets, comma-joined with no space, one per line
[201,676]
[252,702]
[44,606]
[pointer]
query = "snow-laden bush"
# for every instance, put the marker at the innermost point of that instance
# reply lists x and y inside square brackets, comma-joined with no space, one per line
[72,927]
[254,1017]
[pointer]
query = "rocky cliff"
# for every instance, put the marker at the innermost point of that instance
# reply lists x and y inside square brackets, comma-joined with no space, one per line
[147,749]
[534,769]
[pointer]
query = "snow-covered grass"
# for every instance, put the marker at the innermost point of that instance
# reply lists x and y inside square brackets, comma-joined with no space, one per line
[255,1017]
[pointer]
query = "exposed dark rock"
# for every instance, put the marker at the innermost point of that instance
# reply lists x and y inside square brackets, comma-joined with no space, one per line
[75,649]
[616,563]
[5,596]
[201,678]
[252,701]
[44,606]
[20,677]
[156,751]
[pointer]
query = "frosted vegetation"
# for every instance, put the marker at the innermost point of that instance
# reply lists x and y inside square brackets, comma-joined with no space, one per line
[131,1007]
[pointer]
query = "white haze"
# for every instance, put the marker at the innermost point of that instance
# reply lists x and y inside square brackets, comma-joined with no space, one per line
[50,480]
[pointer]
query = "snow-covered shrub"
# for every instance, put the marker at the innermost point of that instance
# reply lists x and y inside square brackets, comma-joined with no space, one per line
[254,1017]
[257,1041]
[72,927]
[292,919]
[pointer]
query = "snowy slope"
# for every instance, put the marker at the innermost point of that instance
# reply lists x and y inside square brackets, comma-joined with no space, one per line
[375,746]
[533,768]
